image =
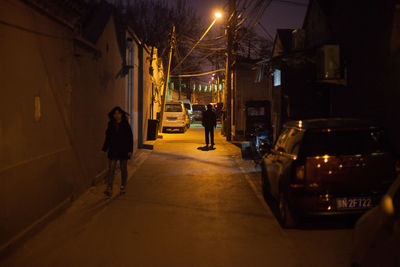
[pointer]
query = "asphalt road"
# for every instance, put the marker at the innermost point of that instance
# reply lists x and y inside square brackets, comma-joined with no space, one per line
[184,207]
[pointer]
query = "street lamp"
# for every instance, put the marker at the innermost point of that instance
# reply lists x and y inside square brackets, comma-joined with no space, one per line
[218,15]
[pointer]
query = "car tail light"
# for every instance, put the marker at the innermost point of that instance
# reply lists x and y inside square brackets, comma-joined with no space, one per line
[300,173]
[299,177]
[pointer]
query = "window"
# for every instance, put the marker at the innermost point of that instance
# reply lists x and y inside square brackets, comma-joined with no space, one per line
[173,108]
[187,106]
[198,107]
[256,111]
[344,143]
[277,77]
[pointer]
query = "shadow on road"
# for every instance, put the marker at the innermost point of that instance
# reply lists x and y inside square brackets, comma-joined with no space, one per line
[205,148]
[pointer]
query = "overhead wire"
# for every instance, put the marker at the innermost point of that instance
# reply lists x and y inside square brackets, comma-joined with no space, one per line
[293,3]
[198,74]
[266,31]
[257,20]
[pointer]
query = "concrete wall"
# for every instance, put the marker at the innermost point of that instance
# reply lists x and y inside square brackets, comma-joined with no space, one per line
[132,88]
[246,90]
[158,83]
[149,84]
[47,161]
[147,92]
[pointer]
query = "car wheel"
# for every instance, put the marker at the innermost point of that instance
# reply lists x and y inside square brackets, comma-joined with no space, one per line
[285,214]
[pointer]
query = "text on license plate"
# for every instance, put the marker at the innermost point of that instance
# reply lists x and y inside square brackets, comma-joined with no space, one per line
[171,118]
[353,203]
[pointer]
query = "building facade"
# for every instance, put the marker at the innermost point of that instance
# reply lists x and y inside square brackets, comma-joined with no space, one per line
[60,77]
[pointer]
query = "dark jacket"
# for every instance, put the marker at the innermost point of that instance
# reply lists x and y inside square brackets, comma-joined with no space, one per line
[119,140]
[209,119]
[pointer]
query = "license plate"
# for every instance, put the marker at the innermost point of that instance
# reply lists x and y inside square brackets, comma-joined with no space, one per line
[171,118]
[346,203]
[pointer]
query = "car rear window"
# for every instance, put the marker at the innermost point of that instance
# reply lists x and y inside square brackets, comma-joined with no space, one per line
[187,106]
[173,108]
[198,107]
[338,143]
[256,111]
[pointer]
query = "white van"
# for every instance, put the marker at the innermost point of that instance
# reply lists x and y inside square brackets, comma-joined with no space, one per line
[176,117]
[188,106]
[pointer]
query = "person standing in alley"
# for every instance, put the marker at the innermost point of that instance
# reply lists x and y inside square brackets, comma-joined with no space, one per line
[209,123]
[119,146]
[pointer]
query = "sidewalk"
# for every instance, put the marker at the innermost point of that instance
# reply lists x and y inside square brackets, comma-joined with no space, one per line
[92,199]
[183,207]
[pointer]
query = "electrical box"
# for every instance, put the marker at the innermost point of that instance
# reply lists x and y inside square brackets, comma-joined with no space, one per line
[329,65]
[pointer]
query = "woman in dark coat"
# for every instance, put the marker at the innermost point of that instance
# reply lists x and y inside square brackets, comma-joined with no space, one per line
[119,146]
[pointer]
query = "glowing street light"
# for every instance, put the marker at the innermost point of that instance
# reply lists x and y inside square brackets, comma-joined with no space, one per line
[218,15]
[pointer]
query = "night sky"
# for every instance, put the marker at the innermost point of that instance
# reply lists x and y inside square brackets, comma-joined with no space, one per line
[279,15]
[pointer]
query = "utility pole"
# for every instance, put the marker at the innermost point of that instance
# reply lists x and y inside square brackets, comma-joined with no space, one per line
[180,88]
[229,66]
[164,96]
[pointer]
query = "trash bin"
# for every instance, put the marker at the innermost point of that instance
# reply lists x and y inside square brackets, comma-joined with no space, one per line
[152,130]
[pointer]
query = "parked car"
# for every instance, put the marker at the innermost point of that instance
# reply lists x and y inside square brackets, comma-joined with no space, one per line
[198,112]
[188,106]
[188,119]
[176,117]
[377,233]
[218,109]
[327,167]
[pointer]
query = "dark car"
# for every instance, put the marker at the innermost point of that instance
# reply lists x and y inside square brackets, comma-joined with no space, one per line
[198,112]
[327,167]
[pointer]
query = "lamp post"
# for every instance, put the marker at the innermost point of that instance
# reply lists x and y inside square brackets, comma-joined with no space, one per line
[164,96]
[229,67]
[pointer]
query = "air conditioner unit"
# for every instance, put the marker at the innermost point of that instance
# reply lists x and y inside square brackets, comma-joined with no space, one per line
[329,65]
[298,39]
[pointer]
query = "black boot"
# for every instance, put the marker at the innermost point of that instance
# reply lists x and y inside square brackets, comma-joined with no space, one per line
[122,190]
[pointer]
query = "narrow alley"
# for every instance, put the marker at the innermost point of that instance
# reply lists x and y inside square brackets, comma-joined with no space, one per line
[183,207]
